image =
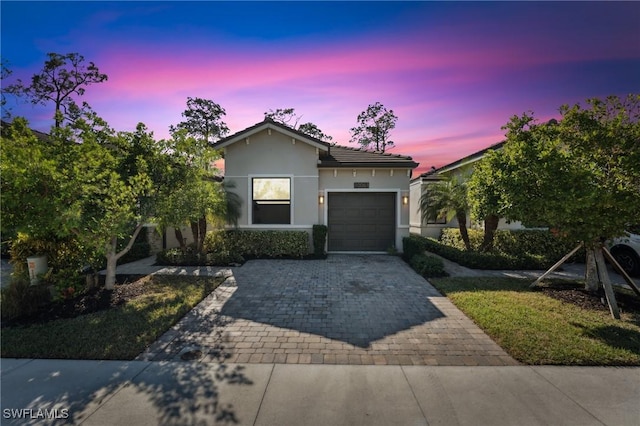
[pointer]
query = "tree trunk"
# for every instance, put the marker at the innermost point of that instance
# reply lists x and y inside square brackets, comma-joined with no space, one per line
[591,272]
[195,232]
[490,226]
[112,257]
[179,237]
[462,224]
[112,261]
[202,224]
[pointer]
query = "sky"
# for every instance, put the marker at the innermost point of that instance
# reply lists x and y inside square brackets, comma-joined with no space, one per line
[452,72]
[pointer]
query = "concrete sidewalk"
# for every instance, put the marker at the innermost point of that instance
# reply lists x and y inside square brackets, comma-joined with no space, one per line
[187,393]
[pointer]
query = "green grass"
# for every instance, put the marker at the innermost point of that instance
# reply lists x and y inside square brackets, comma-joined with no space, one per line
[120,333]
[537,329]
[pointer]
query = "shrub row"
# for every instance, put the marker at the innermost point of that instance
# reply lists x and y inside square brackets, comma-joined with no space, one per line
[477,260]
[517,243]
[428,266]
[226,247]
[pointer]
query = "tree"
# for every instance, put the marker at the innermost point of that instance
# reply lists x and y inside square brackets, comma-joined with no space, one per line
[284,116]
[90,190]
[447,198]
[484,196]
[5,73]
[374,127]
[580,176]
[203,120]
[288,115]
[62,77]
[191,140]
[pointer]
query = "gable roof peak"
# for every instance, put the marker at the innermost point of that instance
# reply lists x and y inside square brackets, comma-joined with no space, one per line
[269,123]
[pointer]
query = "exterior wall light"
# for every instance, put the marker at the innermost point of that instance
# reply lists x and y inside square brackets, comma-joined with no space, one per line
[405,200]
[321,197]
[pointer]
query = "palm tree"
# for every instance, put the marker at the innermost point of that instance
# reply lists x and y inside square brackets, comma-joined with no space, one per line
[447,198]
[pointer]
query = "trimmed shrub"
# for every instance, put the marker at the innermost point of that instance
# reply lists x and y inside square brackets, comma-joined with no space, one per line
[428,266]
[451,237]
[411,247]
[226,247]
[319,240]
[517,243]
[269,244]
[478,260]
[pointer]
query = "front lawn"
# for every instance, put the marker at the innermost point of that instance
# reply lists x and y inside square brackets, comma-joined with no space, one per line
[552,326]
[120,332]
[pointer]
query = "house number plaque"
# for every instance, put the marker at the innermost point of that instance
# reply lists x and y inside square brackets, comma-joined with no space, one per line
[357,185]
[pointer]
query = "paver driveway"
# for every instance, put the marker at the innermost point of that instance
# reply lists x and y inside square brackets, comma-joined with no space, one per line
[348,309]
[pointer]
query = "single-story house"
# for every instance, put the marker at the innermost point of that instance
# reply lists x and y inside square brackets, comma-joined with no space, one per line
[289,180]
[420,184]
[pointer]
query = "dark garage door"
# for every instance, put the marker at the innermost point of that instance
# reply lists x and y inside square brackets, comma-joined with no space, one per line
[362,221]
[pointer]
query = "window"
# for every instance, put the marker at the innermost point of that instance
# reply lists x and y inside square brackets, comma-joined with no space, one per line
[271,202]
[440,220]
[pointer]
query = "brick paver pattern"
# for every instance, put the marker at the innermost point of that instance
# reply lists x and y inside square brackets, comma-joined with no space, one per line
[347,309]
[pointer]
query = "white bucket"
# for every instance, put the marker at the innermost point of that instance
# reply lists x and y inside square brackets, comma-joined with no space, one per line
[37,265]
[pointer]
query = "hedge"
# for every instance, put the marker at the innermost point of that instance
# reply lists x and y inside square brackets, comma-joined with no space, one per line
[227,247]
[518,243]
[478,260]
[428,266]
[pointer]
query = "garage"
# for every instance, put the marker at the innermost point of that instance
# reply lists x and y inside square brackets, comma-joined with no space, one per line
[361,221]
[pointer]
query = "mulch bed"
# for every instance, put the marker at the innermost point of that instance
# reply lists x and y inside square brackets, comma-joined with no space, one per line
[577,295]
[97,299]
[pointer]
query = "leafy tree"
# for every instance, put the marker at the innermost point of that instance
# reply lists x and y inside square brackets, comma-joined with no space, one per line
[580,175]
[91,190]
[203,120]
[30,177]
[191,143]
[195,195]
[287,115]
[447,198]
[484,196]
[374,127]
[62,77]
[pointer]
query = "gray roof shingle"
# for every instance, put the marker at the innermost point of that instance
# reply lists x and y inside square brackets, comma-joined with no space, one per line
[342,156]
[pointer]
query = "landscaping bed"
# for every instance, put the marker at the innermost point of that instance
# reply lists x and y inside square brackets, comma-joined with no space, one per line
[522,250]
[102,324]
[558,323]
[97,299]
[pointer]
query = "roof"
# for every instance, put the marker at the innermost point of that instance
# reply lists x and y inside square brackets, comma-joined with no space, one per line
[331,156]
[461,162]
[269,123]
[342,156]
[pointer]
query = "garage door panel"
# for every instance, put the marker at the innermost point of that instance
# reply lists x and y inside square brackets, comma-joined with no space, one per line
[361,221]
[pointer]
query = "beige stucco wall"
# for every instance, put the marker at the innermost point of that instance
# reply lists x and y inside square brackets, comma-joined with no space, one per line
[275,155]
[380,180]
[419,226]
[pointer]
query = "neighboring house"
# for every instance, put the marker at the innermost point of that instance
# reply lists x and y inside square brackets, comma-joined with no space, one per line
[460,168]
[291,181]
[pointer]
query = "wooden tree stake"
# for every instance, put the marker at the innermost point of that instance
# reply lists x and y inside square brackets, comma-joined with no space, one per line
[621,270]
[603,274]
[556,266]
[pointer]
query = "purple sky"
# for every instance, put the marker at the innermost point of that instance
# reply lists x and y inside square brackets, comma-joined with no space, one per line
[452,72]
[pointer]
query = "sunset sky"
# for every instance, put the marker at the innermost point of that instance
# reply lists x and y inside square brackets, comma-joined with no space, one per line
[452,72]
